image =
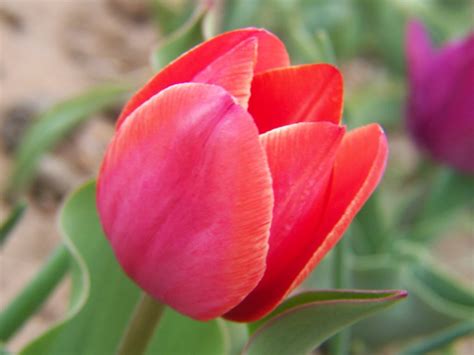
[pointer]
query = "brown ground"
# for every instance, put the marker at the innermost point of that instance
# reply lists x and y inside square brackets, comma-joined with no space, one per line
[50,50]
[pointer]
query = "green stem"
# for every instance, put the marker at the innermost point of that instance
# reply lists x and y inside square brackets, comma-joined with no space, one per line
[34,294]
[339,344]
[146,316]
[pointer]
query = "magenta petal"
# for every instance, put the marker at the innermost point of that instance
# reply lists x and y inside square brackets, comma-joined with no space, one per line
[440,112]
[185,199]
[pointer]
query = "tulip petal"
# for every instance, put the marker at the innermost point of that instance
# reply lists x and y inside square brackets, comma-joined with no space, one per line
[359,166]
[420,53]
[233,71]
[304,93]
[185,198]
[301,157]
[271,53]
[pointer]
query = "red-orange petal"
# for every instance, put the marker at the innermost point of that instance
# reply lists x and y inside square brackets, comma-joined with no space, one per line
[359,166]
[271,53]
[304,93]
[185,199]
[301,157]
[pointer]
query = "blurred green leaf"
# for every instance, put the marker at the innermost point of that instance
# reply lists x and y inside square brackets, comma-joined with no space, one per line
[370,234]
[177,334]
[180,41]
[103,298]
[54,124]
[11,221]
[170,15]
[441,339]
[3,350]
[449,192]
[380,98]
[435,303]
[243,13]
[444,292]
[29,300]
[237,335]
[304,321]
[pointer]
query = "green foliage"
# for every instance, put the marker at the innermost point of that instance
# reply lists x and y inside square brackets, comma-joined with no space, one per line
[436,301]
[28,301]
[54,124]
[180,41]
[304,321]
[440,339]
[11,221]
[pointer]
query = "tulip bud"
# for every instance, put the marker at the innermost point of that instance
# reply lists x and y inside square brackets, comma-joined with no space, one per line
[440,112]
[229,177]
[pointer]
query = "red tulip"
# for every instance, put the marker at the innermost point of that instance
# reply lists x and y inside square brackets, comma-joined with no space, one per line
[229,177]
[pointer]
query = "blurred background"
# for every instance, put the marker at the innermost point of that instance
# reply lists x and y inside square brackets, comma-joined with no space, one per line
[67,66]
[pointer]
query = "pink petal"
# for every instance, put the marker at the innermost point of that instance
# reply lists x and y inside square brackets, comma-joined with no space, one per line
[304,93]
[301,157]
[271,53]
[185,198]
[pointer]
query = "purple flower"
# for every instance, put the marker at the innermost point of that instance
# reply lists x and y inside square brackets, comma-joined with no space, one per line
[440,113]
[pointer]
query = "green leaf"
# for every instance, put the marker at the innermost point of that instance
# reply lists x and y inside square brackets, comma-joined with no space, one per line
[180,41]
[9,224]
[28,301]
[441,339]
[436,300]
[3,350]
[54,124]
[370,233]
[177,334]
[169,15]
[103,298]
[237,336]
[304,321]
[449,192]
[443,291]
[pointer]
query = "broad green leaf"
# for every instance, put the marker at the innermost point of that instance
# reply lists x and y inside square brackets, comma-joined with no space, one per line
[103,298]
[11,221]
[28,301]
[54,124]
[304,321]
[180,41]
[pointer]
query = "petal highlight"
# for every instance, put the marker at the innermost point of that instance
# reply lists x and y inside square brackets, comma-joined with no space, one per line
[271,53]
[185,198]
[301,157]
[304,93]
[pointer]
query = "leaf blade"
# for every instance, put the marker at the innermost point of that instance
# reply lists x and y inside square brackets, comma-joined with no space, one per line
[302,314]
[53,124]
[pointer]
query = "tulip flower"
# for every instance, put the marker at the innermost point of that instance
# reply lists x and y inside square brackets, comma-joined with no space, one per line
[229,177]
[440,112]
